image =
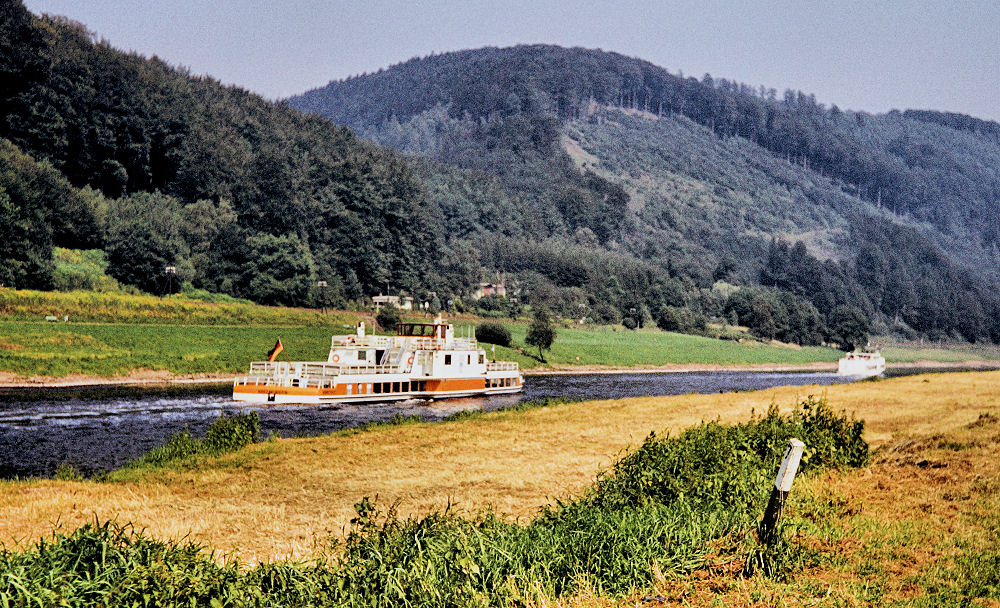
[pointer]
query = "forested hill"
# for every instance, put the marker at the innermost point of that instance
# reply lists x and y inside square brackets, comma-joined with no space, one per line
[106,149]
[938,167]
[899,214]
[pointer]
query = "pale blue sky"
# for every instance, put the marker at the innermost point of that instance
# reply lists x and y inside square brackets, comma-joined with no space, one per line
[870,56]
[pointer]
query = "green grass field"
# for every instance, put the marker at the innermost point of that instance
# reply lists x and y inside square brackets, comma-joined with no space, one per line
[49,349]
[29,305]
[106,349]
[619,347]
[945,353]
[115,334]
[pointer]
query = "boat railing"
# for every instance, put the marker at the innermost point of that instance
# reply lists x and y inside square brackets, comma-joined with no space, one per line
[501,366]
[410,342]
[283,369]
[365,342]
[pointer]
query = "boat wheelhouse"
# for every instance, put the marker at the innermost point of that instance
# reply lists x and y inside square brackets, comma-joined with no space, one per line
[422,361]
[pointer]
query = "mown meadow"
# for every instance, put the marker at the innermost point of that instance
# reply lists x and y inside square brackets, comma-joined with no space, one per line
[614,346]
[105,350]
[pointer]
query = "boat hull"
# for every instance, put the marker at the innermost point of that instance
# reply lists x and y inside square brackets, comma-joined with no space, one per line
[288,394]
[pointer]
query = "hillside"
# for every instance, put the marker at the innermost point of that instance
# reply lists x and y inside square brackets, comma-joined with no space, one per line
[599,186]
[936,167]
[710,179]
[160,168]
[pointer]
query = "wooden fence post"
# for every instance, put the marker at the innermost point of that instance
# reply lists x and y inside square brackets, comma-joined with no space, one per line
[782,486]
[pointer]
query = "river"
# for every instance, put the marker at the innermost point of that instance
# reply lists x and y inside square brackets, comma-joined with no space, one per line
[104,432]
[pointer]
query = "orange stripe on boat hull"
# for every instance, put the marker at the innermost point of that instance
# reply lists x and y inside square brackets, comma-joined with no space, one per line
[431,389]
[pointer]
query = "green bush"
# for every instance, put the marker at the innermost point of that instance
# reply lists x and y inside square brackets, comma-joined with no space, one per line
[387,318]
[229,433]
[493,333]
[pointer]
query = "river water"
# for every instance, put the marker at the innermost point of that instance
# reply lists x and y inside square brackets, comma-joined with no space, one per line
[105,432]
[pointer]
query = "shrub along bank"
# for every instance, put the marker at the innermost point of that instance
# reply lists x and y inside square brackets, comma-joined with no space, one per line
[655,511]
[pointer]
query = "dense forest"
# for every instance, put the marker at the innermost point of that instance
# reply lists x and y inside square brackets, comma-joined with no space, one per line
[601,187]
[241,195]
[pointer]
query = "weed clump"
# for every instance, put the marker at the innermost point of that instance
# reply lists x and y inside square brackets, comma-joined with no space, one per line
[229,433]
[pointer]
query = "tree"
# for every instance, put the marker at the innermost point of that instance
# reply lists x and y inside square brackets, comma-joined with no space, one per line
[279,270]
[541,333]
[493,333]
[143,239]
[668,319]
[388,316]
[848,327]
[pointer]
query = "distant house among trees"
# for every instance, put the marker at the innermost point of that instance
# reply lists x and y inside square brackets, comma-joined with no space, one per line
[400,302]
[492,289]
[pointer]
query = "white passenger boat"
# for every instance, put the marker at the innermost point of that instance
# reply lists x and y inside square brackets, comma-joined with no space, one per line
[423,360]
[863,364]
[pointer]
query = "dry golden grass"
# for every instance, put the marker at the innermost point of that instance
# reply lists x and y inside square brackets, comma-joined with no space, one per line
[278,499]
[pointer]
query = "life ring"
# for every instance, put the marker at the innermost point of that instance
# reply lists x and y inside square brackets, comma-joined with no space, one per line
[336,358]
[410,360]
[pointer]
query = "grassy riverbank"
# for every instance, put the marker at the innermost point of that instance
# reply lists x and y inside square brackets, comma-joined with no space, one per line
[917,526]
[143,337]
[105,349]
[656,510]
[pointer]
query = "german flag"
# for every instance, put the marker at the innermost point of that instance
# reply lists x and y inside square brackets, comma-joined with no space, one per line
[271,356]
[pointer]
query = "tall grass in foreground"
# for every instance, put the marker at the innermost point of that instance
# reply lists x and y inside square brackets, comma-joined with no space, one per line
[667,507]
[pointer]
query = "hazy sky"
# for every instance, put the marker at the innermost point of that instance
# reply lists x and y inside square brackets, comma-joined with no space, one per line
[874,56]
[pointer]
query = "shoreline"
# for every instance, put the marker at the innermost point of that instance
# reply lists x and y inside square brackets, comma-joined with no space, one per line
[149,378]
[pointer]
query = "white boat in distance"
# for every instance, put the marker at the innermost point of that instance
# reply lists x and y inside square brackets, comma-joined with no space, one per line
[422,361]
[864,364]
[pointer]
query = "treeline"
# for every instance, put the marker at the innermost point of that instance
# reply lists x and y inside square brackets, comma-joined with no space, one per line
[954,120]
[242,196]
[897,276]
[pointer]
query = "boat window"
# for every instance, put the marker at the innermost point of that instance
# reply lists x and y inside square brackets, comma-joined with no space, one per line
[362,355]
[482,358]
[379,354]
[468,360]
[406,387]
[447,359]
